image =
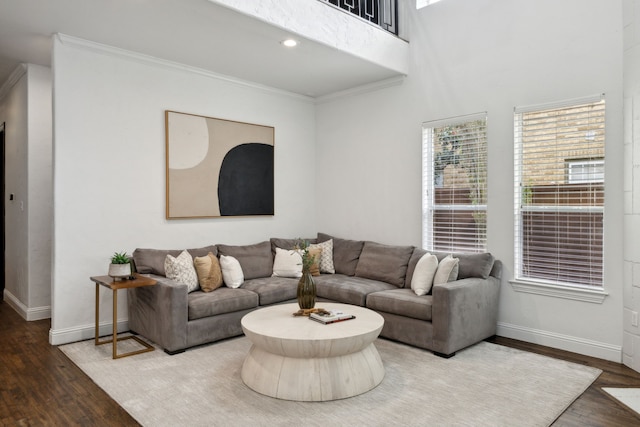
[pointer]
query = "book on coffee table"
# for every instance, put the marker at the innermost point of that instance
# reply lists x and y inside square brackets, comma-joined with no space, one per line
[331,316]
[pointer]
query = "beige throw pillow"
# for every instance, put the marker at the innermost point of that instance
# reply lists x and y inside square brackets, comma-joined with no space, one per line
[316,253]
[447,270]
[423,275]
[209,272]
[181,269]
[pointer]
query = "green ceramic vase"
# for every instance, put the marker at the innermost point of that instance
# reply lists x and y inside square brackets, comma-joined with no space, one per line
[306,291]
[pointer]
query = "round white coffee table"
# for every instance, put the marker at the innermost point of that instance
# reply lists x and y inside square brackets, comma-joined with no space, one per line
[295,358]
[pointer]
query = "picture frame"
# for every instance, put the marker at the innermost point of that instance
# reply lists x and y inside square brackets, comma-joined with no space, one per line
[217,167]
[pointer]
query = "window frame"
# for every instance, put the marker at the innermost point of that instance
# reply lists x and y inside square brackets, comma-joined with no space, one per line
[584,163]
[429,206]
[521,283]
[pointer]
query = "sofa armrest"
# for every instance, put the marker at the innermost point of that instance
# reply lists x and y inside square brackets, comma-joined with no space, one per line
[464,312]
[160,313]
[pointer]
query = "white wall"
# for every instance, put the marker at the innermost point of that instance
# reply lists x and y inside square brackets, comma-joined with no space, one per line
[631,342]
[40,199]
[109,167]
[467,57]
[26,109]
[14,112]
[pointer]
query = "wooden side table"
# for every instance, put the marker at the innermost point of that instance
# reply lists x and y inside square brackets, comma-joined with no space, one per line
[115,285]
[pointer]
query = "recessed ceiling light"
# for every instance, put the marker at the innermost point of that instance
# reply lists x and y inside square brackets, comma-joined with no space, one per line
[289,42]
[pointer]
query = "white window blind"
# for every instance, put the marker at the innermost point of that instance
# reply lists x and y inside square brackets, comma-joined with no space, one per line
[454,181]
[559,192]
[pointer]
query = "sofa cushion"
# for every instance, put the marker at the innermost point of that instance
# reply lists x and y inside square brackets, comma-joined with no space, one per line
[256,260]
[403,302]
[325,263]
[181,270]
[447,270]
[223,300]
[287,263]
[209,272]
[152,260]
[423,275]
[272,290]
[475,265]
[348,289]
[384,262]
[345,253]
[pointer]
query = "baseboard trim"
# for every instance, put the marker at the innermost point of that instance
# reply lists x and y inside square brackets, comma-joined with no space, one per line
[578,345]
[84,332]
[29,314]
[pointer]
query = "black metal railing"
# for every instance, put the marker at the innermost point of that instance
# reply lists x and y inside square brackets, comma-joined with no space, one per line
[382,13]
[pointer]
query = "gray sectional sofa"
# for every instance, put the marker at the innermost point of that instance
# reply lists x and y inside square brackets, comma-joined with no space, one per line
[453,316]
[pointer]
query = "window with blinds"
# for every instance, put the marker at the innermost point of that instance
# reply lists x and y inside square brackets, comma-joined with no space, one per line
[454,181]
[559,192]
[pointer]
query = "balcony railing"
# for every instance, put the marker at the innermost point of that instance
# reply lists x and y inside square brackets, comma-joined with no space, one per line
[382,13]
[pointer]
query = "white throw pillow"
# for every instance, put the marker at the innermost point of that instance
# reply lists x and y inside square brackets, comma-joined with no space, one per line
[232,274]
[287,263]
[447,270]
[423,275]
[181,269]
[326,259]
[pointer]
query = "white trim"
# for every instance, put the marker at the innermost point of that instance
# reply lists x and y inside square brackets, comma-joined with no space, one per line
[578,345]
[559,104]
[84,332]
[456,120]
[152,60]
[359,90]
[28,314]
[13,78]
[576,293]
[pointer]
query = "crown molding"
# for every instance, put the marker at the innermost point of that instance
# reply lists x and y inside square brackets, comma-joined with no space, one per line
[13,78]
[358,90]
[99,48]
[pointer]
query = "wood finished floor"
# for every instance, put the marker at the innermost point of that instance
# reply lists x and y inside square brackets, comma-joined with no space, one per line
[39,386]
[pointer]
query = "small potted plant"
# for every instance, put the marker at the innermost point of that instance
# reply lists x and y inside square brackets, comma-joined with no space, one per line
[120,266]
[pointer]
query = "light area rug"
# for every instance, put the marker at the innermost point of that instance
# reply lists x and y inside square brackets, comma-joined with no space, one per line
[484,385]
[628,396]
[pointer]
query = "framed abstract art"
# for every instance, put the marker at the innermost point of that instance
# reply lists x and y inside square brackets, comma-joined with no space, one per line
[217,167]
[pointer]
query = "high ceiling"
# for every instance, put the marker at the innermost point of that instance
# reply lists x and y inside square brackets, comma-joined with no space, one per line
[198,33]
